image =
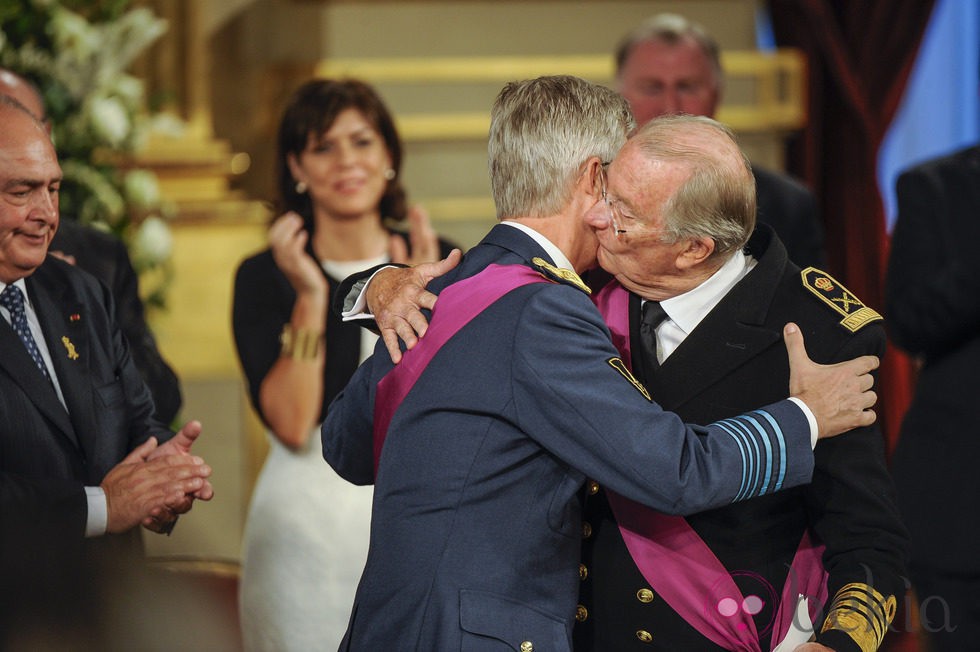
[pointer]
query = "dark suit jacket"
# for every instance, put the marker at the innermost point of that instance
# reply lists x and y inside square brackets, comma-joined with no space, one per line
[933,311]
[476,528]
[733,360]
[789,208]
[105,257]
[49,454]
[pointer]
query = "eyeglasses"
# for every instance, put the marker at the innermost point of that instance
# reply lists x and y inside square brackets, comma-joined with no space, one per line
[617,218]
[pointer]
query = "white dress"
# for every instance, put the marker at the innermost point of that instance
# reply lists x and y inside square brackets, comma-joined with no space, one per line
[305,544]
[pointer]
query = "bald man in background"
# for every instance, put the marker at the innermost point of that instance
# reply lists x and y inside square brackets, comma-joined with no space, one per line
[105,257]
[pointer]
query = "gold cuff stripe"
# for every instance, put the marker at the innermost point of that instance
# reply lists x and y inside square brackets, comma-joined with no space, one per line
[876,620]
[862,613]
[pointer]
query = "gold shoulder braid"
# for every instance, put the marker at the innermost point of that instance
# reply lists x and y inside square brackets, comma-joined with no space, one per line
[823,285]
[862,613]
[560,274]
[620,366]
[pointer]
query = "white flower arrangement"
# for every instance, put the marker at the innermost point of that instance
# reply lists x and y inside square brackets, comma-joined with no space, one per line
[77,53]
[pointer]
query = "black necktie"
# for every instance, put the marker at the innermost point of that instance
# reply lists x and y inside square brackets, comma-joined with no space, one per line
[652,316]
[13,300]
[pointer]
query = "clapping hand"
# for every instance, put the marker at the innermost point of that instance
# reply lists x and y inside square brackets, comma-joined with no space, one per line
[424,241]
[152,491]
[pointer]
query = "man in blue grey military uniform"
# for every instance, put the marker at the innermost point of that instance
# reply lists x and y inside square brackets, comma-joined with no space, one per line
[476,526]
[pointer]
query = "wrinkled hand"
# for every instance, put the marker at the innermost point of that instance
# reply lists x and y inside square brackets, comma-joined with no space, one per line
[397,296]
[812,647]
[287,240]
[142,490]
[180,444]
[839,395]
[425,242]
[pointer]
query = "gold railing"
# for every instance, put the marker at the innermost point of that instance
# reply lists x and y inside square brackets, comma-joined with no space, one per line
[775,82]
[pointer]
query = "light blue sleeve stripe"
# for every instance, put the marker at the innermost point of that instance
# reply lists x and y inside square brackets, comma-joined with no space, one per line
[751,456]
[752,440]
[765,477]
[781,441]
[743,487]
[733,428]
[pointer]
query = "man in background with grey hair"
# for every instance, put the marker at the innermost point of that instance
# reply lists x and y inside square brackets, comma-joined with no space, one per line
[671,65]
[480,439]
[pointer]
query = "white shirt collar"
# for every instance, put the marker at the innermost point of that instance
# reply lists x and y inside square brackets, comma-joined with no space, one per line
[688,309]
[23,288]
[557,256]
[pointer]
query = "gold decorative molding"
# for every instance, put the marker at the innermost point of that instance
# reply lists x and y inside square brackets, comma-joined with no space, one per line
[466,69]
[777,101]
[459,209]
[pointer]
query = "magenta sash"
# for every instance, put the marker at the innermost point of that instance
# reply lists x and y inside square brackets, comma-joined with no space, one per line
[680,566]
[613,302]
[457,305]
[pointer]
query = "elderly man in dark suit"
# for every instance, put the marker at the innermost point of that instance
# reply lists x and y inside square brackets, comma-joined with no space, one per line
[82,461]
[105,257]
[721,298]
[932,303]
[495,424]
[671,65]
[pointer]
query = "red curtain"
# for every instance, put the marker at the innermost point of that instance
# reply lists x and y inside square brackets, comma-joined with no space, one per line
[860,53]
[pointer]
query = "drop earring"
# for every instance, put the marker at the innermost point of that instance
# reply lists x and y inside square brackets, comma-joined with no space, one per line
[389,174]
[300,187]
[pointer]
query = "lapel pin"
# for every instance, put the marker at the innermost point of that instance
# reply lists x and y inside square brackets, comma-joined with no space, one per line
[74,317]
[72,353]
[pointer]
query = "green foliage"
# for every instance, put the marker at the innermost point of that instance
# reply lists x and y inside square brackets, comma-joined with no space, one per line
[77,53]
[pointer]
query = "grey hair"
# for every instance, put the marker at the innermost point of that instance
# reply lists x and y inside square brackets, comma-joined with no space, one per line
[671,29]
[541,132]
[718,199]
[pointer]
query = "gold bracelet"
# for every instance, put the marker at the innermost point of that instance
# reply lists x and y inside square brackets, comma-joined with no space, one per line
[300,343]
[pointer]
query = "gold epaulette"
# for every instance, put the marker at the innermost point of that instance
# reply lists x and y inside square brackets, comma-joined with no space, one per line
[862,613]
[560,274]
[855,314]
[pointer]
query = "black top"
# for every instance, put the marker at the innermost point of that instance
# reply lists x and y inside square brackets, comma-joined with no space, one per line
[263,303]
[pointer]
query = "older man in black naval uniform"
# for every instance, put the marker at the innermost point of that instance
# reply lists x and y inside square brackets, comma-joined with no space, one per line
[675,232]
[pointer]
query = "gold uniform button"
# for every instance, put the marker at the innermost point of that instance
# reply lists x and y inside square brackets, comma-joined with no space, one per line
[527,646]
[593,487]
[581,614]
[586,530]
[644,636]
[644,595]
[583,572]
